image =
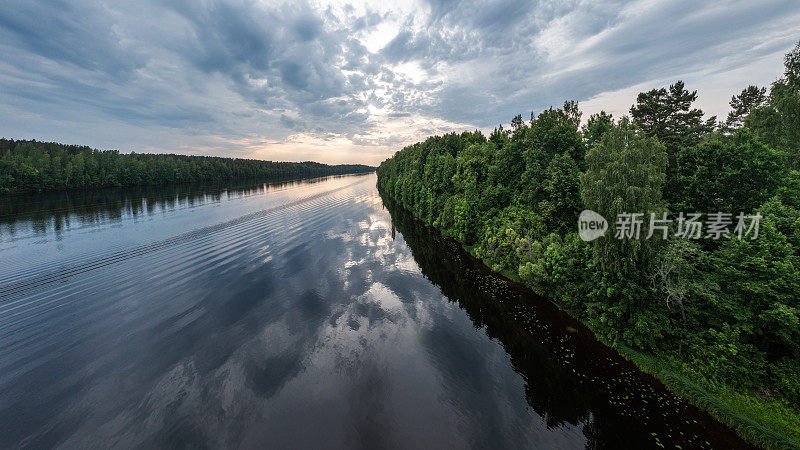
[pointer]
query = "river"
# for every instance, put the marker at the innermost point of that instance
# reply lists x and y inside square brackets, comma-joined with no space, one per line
[303,314]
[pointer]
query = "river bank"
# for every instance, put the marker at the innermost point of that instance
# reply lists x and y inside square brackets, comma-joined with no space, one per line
[759,421]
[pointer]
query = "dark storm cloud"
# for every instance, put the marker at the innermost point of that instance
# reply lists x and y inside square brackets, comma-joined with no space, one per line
[243,69]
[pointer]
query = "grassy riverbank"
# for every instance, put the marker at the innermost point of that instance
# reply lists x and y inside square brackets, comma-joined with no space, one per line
[769,423]
[766,422]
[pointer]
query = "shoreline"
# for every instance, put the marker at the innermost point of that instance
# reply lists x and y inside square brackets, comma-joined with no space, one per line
[751,429]
[200,183]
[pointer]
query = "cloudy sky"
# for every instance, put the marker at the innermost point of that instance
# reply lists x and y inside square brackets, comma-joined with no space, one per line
[352,81]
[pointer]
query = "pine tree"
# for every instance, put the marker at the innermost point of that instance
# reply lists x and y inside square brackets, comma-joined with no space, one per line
[667,115]
[750,98]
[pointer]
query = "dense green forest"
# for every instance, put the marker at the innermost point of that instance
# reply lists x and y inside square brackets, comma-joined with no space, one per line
[46,166]
[722,313]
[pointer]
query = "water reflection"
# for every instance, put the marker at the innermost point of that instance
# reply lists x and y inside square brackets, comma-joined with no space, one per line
[55,211]
[571,379]
[48,234]
[307,321]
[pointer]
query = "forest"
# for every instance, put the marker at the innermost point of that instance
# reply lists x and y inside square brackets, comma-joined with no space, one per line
[717,319]
[32,166]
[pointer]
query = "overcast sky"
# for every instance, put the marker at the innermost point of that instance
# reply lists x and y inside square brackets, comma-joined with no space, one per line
[355,81]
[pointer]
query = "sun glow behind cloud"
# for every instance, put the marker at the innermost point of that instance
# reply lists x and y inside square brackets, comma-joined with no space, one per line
[350,81]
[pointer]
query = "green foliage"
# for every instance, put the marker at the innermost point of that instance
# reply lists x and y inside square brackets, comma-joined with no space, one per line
[508,236]
[625,174]
[789,191]
[732,176]
[597,125]
[46,166]
[777,124]
[761,277]
[679,276]
[726,313]
[562,202]
[791,65]
[667,115]
[723,356]
[742,105]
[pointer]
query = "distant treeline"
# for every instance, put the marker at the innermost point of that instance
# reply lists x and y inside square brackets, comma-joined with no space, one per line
[32,166]
[725,313]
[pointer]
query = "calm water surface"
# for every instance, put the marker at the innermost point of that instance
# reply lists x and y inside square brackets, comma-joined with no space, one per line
[302,315]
